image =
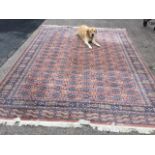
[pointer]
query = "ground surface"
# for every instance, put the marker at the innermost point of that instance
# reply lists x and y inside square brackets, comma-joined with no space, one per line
[14,33]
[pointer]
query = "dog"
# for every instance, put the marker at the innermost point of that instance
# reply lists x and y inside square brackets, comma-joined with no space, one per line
[87,34]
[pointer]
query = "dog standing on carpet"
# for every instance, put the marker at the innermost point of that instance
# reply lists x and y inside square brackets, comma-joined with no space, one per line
[87,34]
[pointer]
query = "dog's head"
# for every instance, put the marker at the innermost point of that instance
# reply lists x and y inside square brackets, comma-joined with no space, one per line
[91,32]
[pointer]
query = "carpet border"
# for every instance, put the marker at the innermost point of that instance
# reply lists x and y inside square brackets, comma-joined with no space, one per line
[73,26]
[139,56]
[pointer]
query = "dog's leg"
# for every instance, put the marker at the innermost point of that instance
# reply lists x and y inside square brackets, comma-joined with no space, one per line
[95,43]
[86,42]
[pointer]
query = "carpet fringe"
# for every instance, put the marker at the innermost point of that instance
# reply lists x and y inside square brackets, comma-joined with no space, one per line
[80,124]
[70,26]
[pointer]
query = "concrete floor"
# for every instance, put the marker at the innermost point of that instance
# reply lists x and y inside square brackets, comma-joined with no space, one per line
[30,130]
[143,39]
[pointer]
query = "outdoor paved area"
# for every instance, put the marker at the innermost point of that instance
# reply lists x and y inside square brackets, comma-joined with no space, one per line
[13,33]
[29,130]
[12,37]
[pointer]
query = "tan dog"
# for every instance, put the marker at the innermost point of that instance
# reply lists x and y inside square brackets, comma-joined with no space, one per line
[87,34]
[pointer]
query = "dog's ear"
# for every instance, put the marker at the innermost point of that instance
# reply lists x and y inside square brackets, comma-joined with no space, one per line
[88,32]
